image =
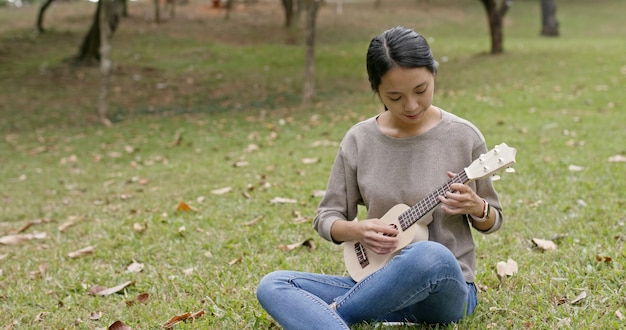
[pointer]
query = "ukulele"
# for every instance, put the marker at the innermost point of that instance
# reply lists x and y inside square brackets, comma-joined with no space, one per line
[412,222]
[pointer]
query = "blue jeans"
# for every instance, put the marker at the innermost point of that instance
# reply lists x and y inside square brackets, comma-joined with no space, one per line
[423,284]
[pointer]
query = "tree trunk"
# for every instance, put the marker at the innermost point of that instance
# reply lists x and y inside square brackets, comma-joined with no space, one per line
[157,11]
[90,48]
[309,72]
[42,11]
[229,8]
[289,12]
[89,51]
[495,16]
[105,61]
[549,24]
[125,8]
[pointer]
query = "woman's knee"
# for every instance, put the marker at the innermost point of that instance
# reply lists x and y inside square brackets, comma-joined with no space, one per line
[430,253]
[270,283]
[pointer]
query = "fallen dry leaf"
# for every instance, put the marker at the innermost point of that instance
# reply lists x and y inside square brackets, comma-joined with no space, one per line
[251,148]
[310,160]
[181,318]
[619,315]
[118,325]
[253,221]
[221,191]
[183,207]
[15,239]
[299,218]
[604,259]
[143,297]
[579,298]
[10,325]
[557,301]
[318,193]
[135,267]
[617,159]
[41,316]
[72,159]
[95,316]
[37,150]
[282,200]
[139,228]
[178,139]
[235,261]
[98,290]
[71,221]
[20,178]
[82,252]
[308,243]
[324,143]
[41,270]
[30,224]
[507,268]
[544,244]
[241,163]
[575,168]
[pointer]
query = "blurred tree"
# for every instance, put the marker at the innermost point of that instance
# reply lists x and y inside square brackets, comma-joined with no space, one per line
[292,9]
[90,48]
[46,3]
[40,15]
[171,4]
[549,24]
[495,16]
[311,7]
[106,64]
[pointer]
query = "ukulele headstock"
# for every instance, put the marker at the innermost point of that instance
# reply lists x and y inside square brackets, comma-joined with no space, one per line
[501,156]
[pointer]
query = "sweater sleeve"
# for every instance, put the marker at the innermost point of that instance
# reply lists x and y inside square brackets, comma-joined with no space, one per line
[342,195]
[486,190]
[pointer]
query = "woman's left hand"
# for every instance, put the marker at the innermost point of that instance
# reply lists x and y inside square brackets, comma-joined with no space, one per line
[462,200]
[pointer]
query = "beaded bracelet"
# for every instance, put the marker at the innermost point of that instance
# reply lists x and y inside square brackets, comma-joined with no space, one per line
[486,212]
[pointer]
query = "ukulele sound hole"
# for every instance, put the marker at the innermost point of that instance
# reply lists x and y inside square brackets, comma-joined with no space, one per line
[394,226]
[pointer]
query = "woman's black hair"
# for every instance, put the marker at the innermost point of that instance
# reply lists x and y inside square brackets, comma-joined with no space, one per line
[400,47]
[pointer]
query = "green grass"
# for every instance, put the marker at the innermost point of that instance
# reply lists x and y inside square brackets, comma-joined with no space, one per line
[559,101]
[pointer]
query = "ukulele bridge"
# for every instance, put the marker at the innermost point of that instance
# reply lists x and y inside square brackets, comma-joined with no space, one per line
[361,254]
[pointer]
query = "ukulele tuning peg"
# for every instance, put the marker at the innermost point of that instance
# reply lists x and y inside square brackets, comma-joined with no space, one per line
[495,177]
[510,170]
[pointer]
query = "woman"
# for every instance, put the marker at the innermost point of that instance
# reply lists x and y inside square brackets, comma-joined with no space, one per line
[398,156]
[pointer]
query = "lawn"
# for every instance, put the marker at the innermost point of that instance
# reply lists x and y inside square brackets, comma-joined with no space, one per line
[212,168]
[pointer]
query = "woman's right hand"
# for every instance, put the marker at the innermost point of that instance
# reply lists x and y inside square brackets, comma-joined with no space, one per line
[374,234]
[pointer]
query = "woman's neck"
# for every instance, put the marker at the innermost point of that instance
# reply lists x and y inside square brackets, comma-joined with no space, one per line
[393,127]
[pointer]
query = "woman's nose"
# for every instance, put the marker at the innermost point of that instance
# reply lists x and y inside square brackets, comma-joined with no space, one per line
[410,104]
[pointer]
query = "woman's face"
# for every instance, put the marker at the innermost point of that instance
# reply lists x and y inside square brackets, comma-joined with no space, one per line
[407,93]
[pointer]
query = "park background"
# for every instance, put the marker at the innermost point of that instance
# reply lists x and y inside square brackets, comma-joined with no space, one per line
[211,171]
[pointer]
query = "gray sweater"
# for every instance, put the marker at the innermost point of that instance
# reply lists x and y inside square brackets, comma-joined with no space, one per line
[380,171]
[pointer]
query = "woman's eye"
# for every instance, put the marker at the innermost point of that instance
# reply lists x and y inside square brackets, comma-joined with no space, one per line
[421,92]
[394,99]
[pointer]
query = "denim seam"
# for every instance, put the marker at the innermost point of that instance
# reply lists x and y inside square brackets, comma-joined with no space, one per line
[356,287]
[316,300]
[359,284]
[337,284]
[419,291]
